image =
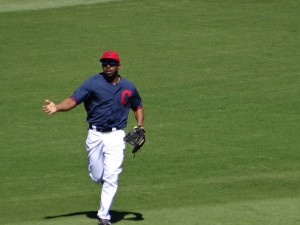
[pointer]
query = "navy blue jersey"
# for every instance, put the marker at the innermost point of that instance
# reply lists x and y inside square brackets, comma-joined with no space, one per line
[107,105]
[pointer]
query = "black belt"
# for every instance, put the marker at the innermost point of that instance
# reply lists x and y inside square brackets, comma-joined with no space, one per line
[101,129]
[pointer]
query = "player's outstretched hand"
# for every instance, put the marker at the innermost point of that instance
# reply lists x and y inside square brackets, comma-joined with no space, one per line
[50,108]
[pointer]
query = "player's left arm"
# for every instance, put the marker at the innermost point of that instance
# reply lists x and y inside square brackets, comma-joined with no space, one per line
[139,116]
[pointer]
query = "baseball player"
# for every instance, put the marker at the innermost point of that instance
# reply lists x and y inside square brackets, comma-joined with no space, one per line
[107,99]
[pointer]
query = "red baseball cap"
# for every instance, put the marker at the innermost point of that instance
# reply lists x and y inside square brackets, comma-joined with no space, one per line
[110,55]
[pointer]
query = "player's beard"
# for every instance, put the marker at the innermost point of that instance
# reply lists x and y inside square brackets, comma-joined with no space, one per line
[110,77]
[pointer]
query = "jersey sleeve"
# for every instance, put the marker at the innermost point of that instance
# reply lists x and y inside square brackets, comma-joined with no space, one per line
[136,103]
[82,92]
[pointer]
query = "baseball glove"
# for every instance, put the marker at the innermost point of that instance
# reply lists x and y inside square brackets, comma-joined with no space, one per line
[136,137]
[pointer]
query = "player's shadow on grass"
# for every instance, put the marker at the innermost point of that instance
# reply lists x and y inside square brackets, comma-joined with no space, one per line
[115,215]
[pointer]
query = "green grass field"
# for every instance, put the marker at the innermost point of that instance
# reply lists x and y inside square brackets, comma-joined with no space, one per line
[220,82]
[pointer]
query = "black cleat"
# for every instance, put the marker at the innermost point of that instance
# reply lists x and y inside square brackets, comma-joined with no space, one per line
[103,222]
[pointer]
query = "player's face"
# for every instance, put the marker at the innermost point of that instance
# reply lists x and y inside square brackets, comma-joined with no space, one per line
[110,67]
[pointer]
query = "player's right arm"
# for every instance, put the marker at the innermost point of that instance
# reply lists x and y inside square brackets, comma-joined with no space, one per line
[64,105]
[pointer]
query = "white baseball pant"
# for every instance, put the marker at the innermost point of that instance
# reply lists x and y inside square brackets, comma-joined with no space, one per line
[105,157]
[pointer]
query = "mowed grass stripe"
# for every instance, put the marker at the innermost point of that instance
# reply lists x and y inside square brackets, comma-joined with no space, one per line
[21,5]
[276,211]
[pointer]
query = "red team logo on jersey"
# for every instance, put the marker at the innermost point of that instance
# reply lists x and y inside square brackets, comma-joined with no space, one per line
[126,94]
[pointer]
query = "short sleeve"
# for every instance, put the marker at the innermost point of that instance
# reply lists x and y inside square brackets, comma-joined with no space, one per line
[82,92]
[136,101]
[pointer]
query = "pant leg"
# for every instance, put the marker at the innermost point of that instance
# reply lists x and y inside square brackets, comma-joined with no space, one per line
[94,147]
[114,146]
